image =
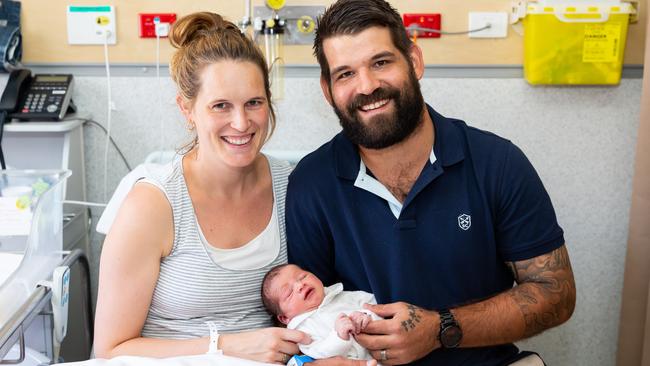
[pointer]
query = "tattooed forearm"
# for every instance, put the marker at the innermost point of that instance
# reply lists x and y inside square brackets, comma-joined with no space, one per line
[546,291]
[414,318]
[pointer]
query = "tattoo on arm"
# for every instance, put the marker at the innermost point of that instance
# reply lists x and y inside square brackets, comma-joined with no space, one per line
[545,292]
[413,319]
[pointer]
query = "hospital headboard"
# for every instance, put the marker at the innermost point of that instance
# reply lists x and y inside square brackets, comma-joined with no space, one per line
[156,160]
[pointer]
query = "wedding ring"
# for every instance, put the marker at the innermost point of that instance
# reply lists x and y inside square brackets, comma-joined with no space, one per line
[285,358]
[383,354]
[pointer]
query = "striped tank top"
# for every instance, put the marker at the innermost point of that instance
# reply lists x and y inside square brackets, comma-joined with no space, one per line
[192,289]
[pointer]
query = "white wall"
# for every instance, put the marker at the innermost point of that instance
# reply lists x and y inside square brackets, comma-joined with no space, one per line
[581,140]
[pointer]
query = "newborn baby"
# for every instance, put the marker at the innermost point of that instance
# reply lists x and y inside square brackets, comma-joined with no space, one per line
[331,316]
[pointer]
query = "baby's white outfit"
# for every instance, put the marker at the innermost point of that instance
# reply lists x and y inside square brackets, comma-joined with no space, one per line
[319,324]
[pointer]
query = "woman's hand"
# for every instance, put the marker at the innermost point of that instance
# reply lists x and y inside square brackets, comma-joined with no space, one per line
[271,345]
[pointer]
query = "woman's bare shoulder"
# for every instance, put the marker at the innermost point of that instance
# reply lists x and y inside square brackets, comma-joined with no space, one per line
[145,218]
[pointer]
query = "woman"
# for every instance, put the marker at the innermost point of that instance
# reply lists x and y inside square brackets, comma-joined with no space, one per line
[192,245]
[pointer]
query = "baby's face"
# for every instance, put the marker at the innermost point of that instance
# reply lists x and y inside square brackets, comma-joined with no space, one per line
[297,291]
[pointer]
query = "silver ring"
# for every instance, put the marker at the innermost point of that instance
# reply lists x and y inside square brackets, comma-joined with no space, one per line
[384,355]
[286,358]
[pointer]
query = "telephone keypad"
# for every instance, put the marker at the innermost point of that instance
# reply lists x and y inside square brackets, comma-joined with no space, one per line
[51,94]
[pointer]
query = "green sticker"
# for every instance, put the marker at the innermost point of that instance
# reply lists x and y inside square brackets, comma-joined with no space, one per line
[90,9]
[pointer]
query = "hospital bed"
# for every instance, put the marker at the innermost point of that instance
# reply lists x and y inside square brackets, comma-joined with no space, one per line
[31,223]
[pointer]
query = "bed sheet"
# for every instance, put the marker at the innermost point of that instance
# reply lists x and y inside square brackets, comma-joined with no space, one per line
[199,360]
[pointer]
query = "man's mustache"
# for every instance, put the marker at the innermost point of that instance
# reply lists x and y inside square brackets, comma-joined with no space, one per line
[377,95]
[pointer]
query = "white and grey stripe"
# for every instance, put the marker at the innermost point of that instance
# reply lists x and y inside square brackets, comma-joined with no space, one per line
[191,289]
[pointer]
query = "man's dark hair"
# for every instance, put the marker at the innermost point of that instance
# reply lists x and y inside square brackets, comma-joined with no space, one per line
[271,305]
[349,17]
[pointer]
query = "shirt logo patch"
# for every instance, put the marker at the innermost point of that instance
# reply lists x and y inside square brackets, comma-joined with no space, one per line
[464,221]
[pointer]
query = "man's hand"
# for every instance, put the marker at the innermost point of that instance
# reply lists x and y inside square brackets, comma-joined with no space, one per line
[340,361]
[360,320]
[407,334]
[344,326]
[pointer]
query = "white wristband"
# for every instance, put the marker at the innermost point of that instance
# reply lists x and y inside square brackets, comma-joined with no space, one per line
[213,347]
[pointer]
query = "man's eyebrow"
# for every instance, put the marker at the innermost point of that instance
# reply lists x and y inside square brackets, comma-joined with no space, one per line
[338,69]
[382,55]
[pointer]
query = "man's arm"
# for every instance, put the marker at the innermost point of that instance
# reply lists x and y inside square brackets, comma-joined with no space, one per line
[544,297]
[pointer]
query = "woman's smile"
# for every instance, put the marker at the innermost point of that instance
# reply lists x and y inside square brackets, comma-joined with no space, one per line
[239,141]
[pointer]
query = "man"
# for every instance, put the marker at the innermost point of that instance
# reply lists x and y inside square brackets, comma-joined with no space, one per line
[436,218]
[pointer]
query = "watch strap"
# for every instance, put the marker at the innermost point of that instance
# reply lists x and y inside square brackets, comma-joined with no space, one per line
[446,319]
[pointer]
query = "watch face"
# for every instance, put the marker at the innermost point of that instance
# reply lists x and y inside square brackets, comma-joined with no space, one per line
[450,336]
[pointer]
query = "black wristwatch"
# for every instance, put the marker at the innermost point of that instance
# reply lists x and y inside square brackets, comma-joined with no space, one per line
[450,333]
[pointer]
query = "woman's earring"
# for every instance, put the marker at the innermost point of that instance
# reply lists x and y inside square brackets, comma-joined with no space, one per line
[190,125]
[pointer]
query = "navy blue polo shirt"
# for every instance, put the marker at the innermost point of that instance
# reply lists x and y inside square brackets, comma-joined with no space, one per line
[479,205]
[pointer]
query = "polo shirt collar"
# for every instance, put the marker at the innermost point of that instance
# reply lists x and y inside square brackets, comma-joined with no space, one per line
[448,147]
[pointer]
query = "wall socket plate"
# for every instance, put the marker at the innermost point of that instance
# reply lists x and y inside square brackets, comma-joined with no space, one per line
[301,21]
[429,20]
[498,24]
[89,24]
[148,23]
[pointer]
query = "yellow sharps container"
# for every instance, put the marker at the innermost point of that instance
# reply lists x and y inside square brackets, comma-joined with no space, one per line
[575,43]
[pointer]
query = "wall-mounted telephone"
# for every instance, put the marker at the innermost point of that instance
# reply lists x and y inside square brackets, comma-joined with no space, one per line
[40,97]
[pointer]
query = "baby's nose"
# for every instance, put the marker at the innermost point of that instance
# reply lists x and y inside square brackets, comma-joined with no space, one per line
[300,286]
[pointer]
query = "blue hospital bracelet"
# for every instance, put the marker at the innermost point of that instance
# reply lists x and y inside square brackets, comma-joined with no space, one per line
[299,360]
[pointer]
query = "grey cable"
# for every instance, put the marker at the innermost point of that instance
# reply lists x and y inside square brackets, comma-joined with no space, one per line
[95,123]
[422,29]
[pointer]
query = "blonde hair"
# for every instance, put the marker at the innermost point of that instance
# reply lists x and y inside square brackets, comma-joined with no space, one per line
[204,38]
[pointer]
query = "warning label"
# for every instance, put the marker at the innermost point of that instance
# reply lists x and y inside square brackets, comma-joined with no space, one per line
[601,43]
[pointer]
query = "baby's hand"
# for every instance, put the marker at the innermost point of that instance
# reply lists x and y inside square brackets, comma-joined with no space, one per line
[360,321]
[344,326]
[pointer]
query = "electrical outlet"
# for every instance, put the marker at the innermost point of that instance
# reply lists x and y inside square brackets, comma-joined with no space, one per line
[91,24]
[498,24]
[429,21]
[148,23]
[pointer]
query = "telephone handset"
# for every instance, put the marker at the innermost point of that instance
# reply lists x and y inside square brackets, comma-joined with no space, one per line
[16,85]
[41,97]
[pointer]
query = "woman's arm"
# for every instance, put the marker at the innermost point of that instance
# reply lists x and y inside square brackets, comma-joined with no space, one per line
[140,236]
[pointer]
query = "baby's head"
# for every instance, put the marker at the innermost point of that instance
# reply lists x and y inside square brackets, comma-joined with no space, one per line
[288,290]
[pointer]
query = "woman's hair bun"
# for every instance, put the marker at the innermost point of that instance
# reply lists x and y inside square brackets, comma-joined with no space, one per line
[198,25]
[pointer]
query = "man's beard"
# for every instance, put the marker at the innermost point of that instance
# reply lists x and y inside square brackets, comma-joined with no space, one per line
[387,129]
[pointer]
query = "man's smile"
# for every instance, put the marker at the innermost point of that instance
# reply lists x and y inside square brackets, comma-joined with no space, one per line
[375,105]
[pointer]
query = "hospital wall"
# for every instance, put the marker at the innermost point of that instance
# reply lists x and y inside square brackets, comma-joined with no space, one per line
[581,140]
